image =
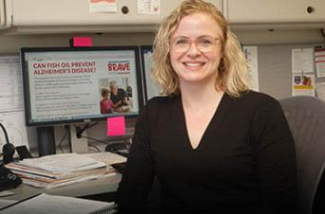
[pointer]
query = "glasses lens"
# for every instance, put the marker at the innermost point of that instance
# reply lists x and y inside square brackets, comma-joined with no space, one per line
[205,44]
[181,44]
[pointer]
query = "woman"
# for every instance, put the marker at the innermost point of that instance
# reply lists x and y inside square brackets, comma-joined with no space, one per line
[214,146]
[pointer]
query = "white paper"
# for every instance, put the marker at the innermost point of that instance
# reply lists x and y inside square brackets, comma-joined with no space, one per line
[320,90]
[302,60]
[65,182]
[106,157]
[303,84]
[97,6]
[4,202]
[320,62]
[61,163]
[45,203]
[11,87]
[6,193]
[252,59]
[14,123]
[149,7]
[11,101]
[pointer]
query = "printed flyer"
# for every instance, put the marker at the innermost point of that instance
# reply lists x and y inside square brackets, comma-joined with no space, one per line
[303,84]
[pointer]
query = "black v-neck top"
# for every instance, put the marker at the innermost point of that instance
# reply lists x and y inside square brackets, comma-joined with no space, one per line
[244,163]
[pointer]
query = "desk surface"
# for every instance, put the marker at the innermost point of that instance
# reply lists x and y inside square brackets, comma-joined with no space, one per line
[86,188]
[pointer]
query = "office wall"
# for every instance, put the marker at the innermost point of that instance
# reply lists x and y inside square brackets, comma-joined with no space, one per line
[274,59]
[11,44]
[275,67]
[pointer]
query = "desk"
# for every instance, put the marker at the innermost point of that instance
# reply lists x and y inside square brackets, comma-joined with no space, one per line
[86,188]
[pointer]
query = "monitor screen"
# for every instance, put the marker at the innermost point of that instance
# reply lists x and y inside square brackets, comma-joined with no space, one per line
[71,85]
[151,88]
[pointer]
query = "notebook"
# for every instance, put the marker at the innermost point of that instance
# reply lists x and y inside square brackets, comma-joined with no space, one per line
[45,203]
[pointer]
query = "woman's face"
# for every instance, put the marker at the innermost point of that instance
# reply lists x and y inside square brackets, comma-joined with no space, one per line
[196,49]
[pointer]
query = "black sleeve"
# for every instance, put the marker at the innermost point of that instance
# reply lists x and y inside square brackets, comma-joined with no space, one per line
[275,158]
[137,178]
[122,93]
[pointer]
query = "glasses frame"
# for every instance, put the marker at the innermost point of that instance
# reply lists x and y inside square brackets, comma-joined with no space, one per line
[196,42]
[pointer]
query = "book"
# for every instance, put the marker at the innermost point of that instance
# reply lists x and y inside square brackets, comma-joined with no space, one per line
[60,183]
[26,171]
[45,203]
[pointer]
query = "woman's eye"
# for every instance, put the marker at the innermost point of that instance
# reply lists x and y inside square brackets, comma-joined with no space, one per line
[181,41]
[205,42]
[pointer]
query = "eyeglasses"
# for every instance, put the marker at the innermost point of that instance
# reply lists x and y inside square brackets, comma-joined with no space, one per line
[203,44]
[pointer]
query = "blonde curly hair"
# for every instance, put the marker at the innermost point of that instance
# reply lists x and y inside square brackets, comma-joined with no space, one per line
[233,69]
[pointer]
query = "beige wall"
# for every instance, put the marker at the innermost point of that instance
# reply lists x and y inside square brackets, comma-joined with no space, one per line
[11,44]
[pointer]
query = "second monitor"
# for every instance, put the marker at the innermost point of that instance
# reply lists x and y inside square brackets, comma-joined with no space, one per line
[151,88]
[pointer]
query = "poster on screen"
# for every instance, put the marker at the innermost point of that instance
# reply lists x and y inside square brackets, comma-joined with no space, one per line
[71,88]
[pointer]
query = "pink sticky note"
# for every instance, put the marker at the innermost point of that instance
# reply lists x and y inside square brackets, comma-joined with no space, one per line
[115,126]
[82,42]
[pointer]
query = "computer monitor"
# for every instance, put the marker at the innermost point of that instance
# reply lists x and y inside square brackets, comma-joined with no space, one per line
[65,85]
[151,88]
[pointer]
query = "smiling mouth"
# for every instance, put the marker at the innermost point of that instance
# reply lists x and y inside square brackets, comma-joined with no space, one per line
[193,64]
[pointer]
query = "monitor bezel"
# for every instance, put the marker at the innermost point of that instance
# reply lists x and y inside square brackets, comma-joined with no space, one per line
[143,49]
[26,86]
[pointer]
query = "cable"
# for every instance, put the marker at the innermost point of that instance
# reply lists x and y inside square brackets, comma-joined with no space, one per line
[62,139]
[94,139]
[95,147]
[79,130]
[322,32]
[8,149]
[5,132]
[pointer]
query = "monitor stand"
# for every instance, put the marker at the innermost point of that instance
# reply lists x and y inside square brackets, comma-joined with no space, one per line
[78,145]
[46,140]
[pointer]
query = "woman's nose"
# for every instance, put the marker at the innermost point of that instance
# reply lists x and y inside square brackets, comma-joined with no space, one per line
[192,50]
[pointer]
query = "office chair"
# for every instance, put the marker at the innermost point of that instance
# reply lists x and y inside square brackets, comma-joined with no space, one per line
[306,118]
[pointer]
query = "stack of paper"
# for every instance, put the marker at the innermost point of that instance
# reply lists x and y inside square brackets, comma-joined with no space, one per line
[58,170]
